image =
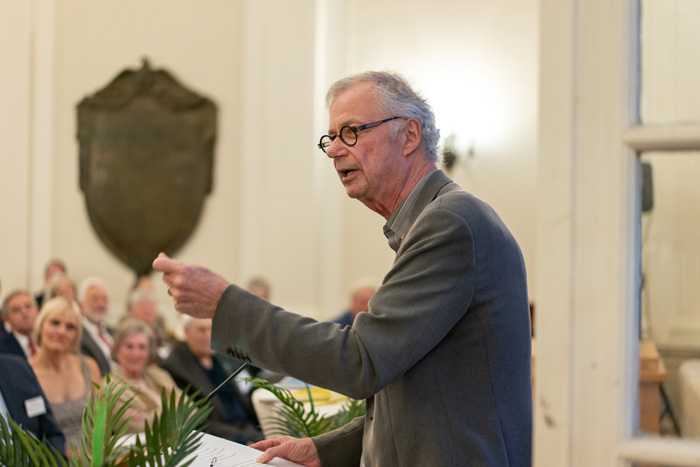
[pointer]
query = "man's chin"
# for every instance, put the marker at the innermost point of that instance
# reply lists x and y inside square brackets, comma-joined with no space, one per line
[352,191]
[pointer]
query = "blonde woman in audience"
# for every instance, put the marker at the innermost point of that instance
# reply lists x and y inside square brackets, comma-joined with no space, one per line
[134,350]
[65,376]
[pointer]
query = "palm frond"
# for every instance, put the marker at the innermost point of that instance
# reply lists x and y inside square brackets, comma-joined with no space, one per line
[173,436]
[292,418]
[352,409]
[103,426]
[22,449]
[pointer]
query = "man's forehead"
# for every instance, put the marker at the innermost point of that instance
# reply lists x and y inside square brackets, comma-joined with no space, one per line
[199,327]
[20,299]
[55,267]
[95,289]
[355,104]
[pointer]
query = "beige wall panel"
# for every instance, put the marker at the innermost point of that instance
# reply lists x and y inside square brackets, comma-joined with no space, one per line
[200,43]
[15,133]
[476,62]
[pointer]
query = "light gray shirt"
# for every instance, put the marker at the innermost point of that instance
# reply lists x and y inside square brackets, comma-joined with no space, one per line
[3,406]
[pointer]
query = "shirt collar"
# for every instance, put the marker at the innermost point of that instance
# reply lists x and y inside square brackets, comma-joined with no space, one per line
[399,223]
[23,342]
[89,326]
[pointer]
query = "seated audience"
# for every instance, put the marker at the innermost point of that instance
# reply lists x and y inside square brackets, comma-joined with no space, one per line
[134,351]
[19,310]
[53,267]
[20,388]
[142,305]
[62,286]
[359,302]
[192,363]
[65,375]
[97,336]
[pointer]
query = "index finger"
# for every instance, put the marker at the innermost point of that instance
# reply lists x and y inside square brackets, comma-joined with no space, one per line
[163,263]
[266,444]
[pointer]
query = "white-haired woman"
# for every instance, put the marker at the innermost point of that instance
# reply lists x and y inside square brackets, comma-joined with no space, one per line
[134,350]
[65,376]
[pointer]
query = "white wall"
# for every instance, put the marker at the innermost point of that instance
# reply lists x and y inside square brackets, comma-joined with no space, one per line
[277,208]
[477,63]
[15,60]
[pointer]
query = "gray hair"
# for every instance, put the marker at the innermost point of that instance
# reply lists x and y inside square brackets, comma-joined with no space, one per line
[56,280]
[128,327]
[6,303]
[90,282]
[398,99]
[141,295]
[187,321]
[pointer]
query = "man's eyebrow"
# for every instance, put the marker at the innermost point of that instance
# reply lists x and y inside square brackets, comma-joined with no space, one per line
[348,122]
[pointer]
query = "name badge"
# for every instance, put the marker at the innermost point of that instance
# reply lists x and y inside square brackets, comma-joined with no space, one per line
[35,406]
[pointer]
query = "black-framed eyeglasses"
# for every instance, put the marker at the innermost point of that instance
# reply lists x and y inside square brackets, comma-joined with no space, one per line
[348,134]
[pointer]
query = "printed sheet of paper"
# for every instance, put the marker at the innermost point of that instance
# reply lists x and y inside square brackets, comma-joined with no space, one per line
[221,452]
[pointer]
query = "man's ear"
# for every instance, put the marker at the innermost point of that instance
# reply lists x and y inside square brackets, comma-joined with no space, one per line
[412,136]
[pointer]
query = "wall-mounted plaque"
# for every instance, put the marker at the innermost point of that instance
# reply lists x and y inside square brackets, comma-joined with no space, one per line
[146,158]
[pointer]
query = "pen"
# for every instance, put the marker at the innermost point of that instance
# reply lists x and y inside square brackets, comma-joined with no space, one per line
[213,460]
[211,394]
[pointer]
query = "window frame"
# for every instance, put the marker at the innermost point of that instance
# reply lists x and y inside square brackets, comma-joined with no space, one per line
[589,236]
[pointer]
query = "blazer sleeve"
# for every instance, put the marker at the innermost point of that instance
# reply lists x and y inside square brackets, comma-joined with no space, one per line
[341,447]
[20,384]
[426,292]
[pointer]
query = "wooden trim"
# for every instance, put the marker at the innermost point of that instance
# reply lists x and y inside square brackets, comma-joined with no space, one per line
[663,451]
[663,138]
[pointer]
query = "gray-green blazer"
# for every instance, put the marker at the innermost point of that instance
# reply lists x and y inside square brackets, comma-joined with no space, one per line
[442,357]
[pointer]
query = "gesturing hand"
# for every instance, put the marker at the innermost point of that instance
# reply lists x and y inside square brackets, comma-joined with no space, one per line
[302,451]
[195,289]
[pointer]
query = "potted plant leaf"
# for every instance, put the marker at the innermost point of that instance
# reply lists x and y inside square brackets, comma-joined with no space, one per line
[294,418]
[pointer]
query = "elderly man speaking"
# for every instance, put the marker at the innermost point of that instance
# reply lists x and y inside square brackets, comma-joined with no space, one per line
[443,355]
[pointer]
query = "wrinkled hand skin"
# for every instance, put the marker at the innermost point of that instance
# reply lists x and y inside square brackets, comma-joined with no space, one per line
[195,289]
[302,451]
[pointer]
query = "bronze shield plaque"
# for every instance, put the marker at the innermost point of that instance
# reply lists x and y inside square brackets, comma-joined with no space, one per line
[146,157]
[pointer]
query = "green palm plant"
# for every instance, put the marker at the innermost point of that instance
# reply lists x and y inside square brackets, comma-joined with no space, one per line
[170,440]
[293,419]
[21,449]
[175,431]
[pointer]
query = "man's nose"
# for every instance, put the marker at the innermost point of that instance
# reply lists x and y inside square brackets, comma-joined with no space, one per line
[336,148]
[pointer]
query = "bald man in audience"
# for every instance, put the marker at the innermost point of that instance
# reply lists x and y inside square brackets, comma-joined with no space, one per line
[260,287]
[192,363]
[359,302]
[19,310]
[97,336]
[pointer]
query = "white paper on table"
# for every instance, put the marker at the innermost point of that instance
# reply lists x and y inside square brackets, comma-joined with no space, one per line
[230,454]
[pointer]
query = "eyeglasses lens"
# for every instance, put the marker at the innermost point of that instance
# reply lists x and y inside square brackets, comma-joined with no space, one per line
[348,135]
